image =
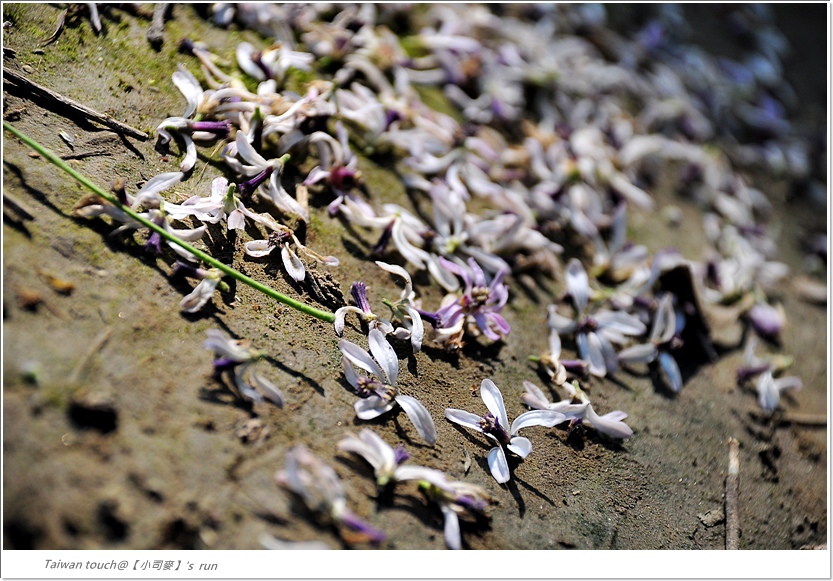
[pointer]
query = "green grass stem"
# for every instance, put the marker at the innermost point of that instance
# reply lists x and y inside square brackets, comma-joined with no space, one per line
[208,259]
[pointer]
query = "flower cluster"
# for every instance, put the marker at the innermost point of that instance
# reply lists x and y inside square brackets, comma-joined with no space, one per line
[548,162]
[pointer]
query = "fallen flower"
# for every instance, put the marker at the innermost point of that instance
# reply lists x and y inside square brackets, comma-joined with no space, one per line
[378,392]
[495,424]
[238,356]
[320,488]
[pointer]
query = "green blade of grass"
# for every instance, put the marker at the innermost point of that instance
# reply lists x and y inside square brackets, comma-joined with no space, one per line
[47,154]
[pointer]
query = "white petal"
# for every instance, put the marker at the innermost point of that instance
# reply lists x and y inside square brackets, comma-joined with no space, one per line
[768,394]
[494,401]
[555,345]
[190,154]
[350,372]
[244,60]
[268,389]
[420,417]
[236,220]
[341,314]
[351,443]
[620,322]
[187,234]
[546,418]
[788,383]
[520,446]
[292,263]
[199,296]
[534,397]
[446,280]
[609,354]
[400,272]
[281,198]
[644,353]
[409,252]
[225,347]
[360,358]
[384,354]
[248,153]
[590,349]
[559,323]
[258,248]
[413,472]
[664,321]
[672,371]
[464,418]
[608,425]
[633,194]
[578,285]
[417,329]
[372,407]
[498,466]
[190,87]
[615,416]
[159,183]
[381,448]
[451,528]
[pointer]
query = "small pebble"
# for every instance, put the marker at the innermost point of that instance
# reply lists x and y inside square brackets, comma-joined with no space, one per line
[28,69]
[673,216]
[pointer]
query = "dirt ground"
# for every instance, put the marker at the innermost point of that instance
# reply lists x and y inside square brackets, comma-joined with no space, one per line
[115,435]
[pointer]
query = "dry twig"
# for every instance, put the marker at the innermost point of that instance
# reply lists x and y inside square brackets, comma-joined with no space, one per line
[50,95]
[732,482]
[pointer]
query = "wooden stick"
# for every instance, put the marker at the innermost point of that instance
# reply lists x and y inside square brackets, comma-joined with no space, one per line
[732,485]
[51,95]
[156,32]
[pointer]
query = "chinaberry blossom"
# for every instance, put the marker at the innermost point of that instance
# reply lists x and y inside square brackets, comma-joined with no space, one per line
[358,290]
[202,293]
[386,461]
[264,175]
[455,499]
[283,237]
[238,357]
[222,204]
[271,63]
[556,367]
[594,332]
[578,410]
[481,301]
[321,490]
[495,425]
[378,391]
[768,386]
[90,206]
[404,309]
[664,337]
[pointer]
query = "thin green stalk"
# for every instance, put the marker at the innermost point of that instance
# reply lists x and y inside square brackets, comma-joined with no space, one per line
[57,161]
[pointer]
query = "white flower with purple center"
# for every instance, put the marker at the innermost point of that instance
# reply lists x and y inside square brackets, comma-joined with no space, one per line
[404,309]
[481,300]
[358,290]
[769,387]
[222,204]
[386,461]
[495,425]
[664,337]
[578,409]
[283,237]
[378,391]
[202,293]
[595,333]
[455,498]
[237,357]
[320,489]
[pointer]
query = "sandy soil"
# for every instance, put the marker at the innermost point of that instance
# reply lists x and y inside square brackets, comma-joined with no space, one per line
[124,440]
